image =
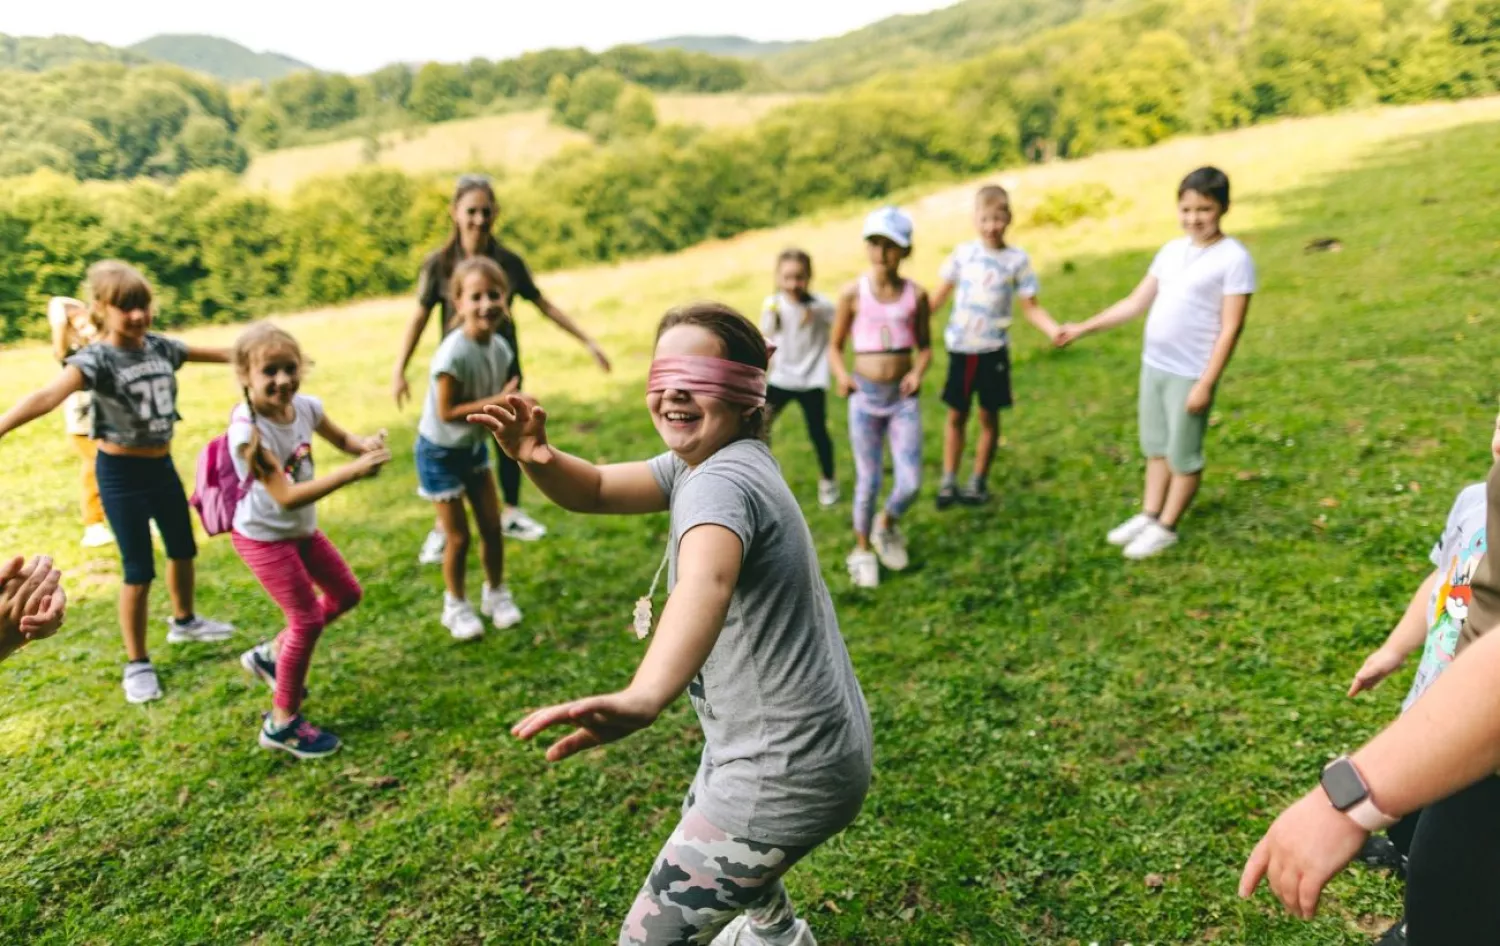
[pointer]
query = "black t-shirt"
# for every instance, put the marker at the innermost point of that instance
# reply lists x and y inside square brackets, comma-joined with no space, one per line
[432,290]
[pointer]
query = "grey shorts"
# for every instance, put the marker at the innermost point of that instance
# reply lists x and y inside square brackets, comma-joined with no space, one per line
[1167,429]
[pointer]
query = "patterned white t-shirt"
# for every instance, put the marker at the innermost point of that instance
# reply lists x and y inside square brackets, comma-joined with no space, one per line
[1456,555]
[987,282]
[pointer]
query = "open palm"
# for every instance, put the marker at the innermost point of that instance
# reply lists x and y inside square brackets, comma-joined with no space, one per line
[519,425]
[598,720]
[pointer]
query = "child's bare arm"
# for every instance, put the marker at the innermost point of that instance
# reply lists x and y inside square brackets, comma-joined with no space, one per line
[843,320]
[1031,307]
[352,444]
[212,356]
[1407,637]
[1132,306]
[943,294]
[38,403]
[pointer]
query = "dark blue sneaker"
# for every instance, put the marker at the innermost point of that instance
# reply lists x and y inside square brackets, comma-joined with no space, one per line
[299,737]
[259,663]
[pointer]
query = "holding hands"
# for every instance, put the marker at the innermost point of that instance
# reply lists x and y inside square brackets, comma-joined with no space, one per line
[519,425]
[1067,334]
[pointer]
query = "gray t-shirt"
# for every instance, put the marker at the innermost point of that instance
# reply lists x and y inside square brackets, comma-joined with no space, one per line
[479,370]
[788,744]
[135,390]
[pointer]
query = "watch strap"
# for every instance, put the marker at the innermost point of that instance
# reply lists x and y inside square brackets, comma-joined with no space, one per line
[1367,816]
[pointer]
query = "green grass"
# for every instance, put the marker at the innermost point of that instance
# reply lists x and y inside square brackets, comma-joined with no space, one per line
[1052,725]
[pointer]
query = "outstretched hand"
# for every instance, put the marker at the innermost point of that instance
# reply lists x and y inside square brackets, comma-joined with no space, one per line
[598,720]
[519,426]
[31,598]
[1379,665]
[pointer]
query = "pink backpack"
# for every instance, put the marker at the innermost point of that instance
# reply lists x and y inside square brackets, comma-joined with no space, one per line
[219,489]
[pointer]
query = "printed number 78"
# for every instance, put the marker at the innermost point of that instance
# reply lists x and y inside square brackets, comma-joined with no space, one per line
[157,391]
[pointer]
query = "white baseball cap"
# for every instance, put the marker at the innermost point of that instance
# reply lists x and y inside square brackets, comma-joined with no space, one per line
[891,223]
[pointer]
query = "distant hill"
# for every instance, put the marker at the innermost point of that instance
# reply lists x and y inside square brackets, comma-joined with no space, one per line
[964,30]
[736,46]
[39,53]
[221,58]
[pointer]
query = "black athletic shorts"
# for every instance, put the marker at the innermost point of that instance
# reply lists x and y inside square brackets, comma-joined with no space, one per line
[986,375]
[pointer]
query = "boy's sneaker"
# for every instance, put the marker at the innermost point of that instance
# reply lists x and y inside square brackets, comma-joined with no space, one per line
[198,630]
[1153,540]
[433,548]
[1380,853]
[947,495]
[739,932]
[1125,533]
[260,663]
[141,684]
[97,535]
[975,494]
[498,605]
[828,493]
[299,737]
[864,569]
[1395,936]
[461,621]
[517,525]
[890,545]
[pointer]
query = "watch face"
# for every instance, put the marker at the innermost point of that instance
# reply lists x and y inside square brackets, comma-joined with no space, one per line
[1343,785]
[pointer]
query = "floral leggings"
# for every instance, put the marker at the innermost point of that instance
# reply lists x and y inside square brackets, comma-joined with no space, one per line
[877,413]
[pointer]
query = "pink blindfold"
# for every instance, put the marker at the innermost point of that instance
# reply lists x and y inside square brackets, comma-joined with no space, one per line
[713,377]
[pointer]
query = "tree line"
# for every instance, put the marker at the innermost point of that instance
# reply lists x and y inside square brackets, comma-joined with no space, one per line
[1124,78]
[103,120]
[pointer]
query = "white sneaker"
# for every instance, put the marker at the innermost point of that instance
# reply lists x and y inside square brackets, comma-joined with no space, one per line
[1153,540]
[864,568]
[199,630]
[828,493]
[461,621]
[498,605]
[433,548]
[1125,533]
[890,545]
[739,932]
[97,535]
[516,524]
[141,684]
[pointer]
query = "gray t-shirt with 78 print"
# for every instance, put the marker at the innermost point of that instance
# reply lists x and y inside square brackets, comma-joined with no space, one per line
[788,743]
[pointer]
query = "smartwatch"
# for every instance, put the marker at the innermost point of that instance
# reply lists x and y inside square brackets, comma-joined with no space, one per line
[1348,793]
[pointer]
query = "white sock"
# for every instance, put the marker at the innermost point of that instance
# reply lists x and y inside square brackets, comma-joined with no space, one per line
[449,600]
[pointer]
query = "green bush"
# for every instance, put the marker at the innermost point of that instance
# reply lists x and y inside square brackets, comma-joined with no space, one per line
[1066,205]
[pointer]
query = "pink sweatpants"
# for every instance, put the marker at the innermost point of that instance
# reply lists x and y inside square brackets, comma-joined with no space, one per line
[292,571]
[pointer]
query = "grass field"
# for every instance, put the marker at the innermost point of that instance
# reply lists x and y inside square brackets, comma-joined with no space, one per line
[516,141]
[1070,749]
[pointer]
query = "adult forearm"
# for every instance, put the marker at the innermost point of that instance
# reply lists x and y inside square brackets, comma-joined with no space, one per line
[1448,740]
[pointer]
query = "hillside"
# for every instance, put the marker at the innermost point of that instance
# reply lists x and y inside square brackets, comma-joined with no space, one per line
[40,53]
[737,46]
[964,30]
[221,58]
[1053,726]
[517,141]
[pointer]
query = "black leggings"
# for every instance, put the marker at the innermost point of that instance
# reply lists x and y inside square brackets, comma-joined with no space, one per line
[815,410]
[135,491]
[508,472]
[1453,878]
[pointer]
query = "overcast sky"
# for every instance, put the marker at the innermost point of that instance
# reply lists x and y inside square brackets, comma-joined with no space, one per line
[351,37]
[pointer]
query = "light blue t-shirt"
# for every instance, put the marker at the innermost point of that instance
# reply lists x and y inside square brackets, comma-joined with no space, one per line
[987,283]
[1456,555]
[480,371]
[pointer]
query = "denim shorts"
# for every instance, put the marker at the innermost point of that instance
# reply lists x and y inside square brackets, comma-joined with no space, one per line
[444,473]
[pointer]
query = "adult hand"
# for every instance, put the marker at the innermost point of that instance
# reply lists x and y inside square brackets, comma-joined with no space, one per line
[1379,665]
[49,618]
[598,720]
[519,426]
[1304,847]
[25,592]
[400,390]
[1199,398]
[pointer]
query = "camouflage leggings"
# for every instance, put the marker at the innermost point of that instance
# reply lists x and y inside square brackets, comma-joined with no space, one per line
[704,878]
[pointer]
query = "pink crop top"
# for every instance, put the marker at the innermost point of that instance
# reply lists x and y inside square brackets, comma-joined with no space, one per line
[885,326]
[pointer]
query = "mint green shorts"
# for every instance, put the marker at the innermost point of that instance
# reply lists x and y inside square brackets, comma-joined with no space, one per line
[1167,429]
